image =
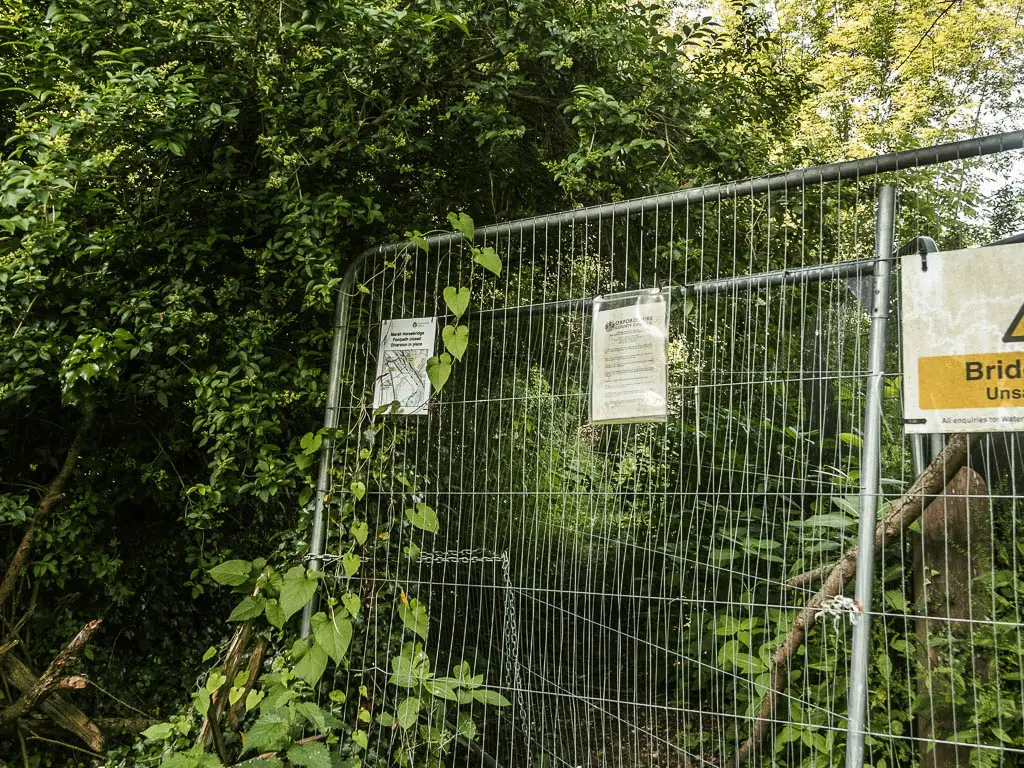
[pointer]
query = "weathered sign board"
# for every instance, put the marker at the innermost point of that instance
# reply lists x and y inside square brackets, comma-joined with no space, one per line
[963,340]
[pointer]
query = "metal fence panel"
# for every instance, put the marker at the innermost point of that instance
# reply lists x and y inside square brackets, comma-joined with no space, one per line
[630,588]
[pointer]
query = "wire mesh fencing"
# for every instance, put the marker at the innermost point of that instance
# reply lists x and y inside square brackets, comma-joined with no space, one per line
[655,594]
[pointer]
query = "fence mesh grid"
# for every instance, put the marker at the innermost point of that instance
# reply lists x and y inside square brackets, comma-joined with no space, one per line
[626,587]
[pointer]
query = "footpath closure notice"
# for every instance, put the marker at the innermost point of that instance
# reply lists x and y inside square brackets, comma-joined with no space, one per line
[405,347]
[628,377]
[963,340]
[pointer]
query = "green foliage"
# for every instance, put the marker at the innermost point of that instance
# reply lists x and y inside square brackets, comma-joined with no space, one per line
[177,183]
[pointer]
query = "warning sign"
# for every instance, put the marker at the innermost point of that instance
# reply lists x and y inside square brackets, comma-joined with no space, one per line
[963,340]
[1016,330]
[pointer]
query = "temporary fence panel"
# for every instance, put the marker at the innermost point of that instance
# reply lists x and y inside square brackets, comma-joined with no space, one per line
[632,590]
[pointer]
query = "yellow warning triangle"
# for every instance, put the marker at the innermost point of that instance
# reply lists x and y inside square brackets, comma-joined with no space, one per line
[1016,330]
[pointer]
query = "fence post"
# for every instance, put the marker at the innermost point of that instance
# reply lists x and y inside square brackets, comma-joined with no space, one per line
[870,475]
[339,343]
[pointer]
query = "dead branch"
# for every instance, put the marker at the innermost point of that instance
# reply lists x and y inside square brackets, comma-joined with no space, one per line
[55,677]
[62,712]
[811,577]
[232,662]
[902,513]
[251,673]
[54,493]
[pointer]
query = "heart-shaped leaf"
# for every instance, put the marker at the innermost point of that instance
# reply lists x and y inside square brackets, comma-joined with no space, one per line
[312,665]
[463,223]
[488,259]
[352,603]
[456,300]
[274,613]
[360,531]
[423,517]
[297,590]
[439,369]
[350,562]
[334,635]
[456,339]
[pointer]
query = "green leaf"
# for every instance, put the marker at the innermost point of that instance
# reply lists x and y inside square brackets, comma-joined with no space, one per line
[352,603]
[463,223]
[201,701]
[334,636]
[824,521]
[414,617]
[493,698]
[249,608]
[423,517]
[215,680]
[253,698]
[439,369]
[417,239]
[408,712]
[440,689]
[465,726]
[360,531]
[896,600]
[158,731]
[456,340]
[350,562]
[210,653]
[462,671]
[456,300]
[358,488]
[318,718]
[274,613]
[312,754]
[312,665]
[296,590]
[488,259]
[310,442]
[359,739]
[232,573]
[268,734]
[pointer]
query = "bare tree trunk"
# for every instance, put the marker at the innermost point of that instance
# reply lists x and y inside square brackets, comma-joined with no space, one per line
[955,547]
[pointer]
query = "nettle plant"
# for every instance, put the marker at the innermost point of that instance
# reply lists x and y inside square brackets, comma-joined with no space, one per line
[295,702]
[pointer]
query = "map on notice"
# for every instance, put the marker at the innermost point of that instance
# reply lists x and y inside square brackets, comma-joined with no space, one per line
[405,347]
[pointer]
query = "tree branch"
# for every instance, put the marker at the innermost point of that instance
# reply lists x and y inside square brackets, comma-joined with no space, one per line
[54,493]
[251,672]
[902,513]
[232,662]
[811,577]
[62,712]
[55,677]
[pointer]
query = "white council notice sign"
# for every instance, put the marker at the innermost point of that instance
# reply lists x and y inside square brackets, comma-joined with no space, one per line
[629,358]
[963,340]
[405,347]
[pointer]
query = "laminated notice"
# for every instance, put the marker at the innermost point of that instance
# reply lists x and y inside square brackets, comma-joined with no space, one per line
[629,357]
[405,347]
